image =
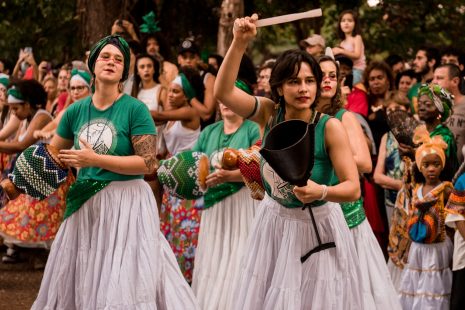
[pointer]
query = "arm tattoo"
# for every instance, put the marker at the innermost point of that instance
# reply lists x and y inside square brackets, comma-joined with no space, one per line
[145,146]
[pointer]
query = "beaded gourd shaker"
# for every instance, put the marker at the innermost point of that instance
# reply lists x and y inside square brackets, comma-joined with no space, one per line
[37,172]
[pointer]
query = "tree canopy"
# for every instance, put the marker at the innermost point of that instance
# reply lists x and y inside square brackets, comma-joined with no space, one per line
[61,29]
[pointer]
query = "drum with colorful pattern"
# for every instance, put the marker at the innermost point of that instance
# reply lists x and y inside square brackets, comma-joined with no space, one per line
[38,172]
[184,174]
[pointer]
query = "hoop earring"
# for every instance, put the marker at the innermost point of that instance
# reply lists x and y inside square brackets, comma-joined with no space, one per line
[120,87]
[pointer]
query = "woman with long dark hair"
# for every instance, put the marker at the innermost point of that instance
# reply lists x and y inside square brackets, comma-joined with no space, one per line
[378,292]
[275,271]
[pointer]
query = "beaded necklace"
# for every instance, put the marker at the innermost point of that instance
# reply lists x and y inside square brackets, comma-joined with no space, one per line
[104,126]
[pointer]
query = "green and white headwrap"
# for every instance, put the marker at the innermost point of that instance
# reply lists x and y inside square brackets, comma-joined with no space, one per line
[15,96]
[4,80]
[441,98]
[186,86]
[82,76]
[117,41]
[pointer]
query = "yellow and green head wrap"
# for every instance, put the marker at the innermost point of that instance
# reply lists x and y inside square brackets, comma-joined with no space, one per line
[117,41]
[441,98]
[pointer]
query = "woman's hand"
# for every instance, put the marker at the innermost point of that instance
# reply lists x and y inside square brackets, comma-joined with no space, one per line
[244,28]
[86,157]
[117,27]
[337,50]
[310,192]
[130,29]
[218,177]
[406,150]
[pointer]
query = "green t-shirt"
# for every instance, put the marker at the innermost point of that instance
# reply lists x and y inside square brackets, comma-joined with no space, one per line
[412,95]
[108,131]
[212,141]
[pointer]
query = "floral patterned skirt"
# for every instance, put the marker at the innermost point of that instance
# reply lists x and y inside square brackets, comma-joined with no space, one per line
[28,222]
[179,223]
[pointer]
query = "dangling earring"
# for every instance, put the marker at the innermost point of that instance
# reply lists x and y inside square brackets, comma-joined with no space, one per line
[120,87]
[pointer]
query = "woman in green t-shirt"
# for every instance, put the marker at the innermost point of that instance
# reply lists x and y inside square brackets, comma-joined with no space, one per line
[272,274]
[227,214]
[109,251]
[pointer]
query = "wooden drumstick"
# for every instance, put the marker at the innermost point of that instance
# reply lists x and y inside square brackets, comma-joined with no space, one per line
[288,18]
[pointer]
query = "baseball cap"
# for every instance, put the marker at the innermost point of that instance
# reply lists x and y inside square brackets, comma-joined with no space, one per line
[313,40]
[188,46]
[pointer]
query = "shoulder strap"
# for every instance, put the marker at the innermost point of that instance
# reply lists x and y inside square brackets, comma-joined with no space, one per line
[340,113]
[317,117]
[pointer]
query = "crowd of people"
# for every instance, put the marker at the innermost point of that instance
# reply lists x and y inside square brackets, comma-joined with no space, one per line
[385,193]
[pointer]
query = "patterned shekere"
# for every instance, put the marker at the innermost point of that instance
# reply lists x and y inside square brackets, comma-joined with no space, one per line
[402,126]
[248,162]
[184,174]
[37,171]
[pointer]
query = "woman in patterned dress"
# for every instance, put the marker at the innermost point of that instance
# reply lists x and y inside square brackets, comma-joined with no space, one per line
[179,219]
[26,221]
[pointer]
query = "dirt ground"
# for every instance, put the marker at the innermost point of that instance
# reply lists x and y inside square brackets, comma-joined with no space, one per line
[20,282]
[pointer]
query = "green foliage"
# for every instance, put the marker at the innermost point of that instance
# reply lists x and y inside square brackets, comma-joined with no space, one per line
[51,27]
[273,40]
[402,26]
[394,26]
[48,26]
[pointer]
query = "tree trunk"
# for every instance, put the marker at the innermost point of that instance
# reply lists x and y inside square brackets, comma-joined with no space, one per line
[230,10]
[97,17]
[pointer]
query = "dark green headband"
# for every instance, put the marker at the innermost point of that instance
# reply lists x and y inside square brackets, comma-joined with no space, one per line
[189,91]
[117,41]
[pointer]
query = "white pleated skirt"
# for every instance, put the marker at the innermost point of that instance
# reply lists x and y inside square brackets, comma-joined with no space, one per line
[396,274]
[222,239]
[111,254]
[426,280]
[378,290]
[272,275]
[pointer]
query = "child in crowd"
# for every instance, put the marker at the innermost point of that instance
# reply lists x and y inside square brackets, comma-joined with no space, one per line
[352,44]
[427,279]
